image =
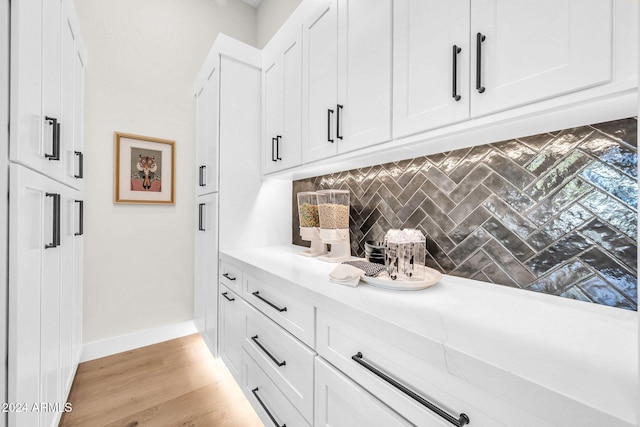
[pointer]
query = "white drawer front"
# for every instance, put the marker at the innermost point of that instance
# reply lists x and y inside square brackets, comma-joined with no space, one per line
[270,404]
[402,360]
[342,403]
[231,277]
[287,361]
[232,329]
[287,305]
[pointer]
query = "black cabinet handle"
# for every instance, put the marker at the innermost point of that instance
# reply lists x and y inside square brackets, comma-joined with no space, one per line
[278,147]
[255,394]
[228,277]
[329,113]
[80,231]
[80,157]
[338,128]
[273,150]
[462,420]
[224,294]
[55,235]
[257,295]
[456,51]
[200,217]
[479,39]
[201,178]
[276,361]
[55,149]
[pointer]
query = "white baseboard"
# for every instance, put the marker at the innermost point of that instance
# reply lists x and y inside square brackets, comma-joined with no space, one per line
[107,347]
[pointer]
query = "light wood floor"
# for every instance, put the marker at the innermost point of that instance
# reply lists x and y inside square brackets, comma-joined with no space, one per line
[174,383]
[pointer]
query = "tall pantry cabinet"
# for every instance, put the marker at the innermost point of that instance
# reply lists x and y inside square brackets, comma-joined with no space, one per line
[45,209]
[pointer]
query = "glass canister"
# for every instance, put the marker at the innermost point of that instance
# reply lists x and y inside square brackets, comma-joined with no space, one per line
[333,209]
[308,209]
[405,252]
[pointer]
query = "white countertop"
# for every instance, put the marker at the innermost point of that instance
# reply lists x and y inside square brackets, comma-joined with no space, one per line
[585,352]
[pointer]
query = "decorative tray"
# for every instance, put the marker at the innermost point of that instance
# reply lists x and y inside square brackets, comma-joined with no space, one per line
[431,277]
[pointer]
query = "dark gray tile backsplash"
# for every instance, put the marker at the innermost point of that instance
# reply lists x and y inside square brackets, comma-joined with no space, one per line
[553,213]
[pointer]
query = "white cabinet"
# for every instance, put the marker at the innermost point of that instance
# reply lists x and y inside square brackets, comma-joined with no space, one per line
[340,402]
[282,100]
[232,330]
[207,130]
[42,237]
[525,51]
[206,269]
[467,59]
[346,77]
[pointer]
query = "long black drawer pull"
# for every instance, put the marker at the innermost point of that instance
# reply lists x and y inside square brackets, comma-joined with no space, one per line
[456,51]
[338,128]
[201,217]
[80,231]
[201,177]
[278,147]
[55,149]
[80,156]
[462,420]
[228,277]
[479,39]
[273,150]
[276,361]
[55,235]
[329,113]
[225,294]
[257,295]
[255,394]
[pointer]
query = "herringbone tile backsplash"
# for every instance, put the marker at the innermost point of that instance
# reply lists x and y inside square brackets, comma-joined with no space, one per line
[553,213]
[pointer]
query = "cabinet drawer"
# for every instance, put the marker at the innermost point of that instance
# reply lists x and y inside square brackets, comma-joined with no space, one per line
[342,403]
[376,357]
[270,404]
[287,361]
[287,305]
[231,277]
[232,329]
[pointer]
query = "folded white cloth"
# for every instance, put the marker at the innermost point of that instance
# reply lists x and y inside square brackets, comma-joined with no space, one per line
[345,274]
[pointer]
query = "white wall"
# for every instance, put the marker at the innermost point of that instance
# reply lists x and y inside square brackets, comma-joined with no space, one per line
[142,60]
[4,143]
[271,14]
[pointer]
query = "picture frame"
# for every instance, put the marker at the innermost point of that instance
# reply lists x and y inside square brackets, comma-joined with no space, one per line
[144,169]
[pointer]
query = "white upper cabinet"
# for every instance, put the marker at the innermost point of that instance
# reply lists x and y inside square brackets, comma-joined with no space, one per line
[430,64]
[346,77]
[207,146]
[525,51]
[282,79]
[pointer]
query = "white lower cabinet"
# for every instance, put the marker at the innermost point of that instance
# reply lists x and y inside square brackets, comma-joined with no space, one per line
[232,329]
[270,403]
[342,403]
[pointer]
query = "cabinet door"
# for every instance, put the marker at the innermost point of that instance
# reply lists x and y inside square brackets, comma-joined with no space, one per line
[320,82]
[206,287]
[430,64]
[199,301]
[363,116]
[201,146]
[536,50]
[207,134]
[34,292]
[78,243]
[232,330]
[340,402]
[273,109]
[289,147]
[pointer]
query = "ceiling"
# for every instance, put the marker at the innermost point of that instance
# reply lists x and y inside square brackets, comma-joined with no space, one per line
[254,3]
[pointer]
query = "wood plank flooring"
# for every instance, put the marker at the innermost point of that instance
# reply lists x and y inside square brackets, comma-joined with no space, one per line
[174,383]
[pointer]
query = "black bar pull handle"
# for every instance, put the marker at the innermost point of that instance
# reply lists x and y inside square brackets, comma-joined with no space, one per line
[257,295]
[255,394]
[55,235]
[273,150]
[228,277]
[202,178]
[225,294]
[278,147]
[329,113]
[80,157]
[338,128]
[271,356]
[479,39]
[462,419]
[200,217]
[80,231]
[454,93]
[55,148]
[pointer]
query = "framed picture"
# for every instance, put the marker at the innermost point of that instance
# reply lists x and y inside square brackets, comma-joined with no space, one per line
[145,170]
